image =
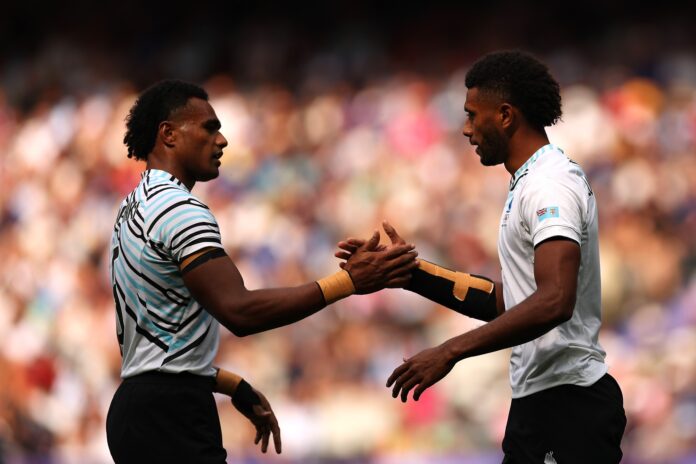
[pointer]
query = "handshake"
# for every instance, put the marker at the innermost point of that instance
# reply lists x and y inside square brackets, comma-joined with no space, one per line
[372,266]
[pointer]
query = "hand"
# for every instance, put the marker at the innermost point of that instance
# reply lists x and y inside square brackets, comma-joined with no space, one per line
[424,369]
[396,273]
[350,245]
[373,268]
[262,416]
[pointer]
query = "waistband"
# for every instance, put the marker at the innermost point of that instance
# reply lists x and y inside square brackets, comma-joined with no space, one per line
[167,378]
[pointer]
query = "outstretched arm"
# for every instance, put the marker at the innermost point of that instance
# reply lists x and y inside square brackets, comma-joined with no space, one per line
[468,294]
[218,286]
[556,265]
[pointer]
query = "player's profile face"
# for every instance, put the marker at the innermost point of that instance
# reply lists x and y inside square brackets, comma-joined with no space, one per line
[481,128]
[200,142]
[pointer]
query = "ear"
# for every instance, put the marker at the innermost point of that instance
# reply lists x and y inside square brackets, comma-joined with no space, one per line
[508,116]
[167,133]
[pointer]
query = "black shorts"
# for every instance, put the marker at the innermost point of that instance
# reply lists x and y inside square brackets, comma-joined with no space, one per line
[567,424]
[156,417]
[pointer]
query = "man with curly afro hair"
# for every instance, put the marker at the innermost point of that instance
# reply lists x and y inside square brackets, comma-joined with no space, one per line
[173,285]
[565,407]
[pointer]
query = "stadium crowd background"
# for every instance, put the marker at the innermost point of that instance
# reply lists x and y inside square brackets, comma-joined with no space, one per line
[331,129]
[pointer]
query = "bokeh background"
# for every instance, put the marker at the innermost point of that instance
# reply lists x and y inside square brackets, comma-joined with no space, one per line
[339,116]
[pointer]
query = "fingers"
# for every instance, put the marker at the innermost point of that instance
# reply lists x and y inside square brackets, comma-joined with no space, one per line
[275,429]
[405,379]
[347,254]
[406,387]
[399,282]
[264,442]
[373,242]
[397,250]
[392,234]
[343,255]
[397,373]
[421,388]
[404,263]
[351,244]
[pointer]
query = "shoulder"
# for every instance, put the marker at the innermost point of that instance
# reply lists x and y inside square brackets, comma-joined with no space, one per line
[166,195]
[558,173]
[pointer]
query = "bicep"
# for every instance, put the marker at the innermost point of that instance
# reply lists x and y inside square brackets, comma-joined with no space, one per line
[556,266]
[213,282]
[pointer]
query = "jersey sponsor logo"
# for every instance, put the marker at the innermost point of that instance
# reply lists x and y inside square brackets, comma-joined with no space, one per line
[548,212]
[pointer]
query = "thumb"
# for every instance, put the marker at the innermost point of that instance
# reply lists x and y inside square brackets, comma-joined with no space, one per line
[392,234]
[372,243]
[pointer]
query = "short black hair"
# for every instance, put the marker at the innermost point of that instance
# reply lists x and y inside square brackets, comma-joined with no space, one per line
[154,105]
[523,81]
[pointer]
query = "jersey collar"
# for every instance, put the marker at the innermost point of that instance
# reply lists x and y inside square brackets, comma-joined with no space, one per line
[158,174]
[532,159]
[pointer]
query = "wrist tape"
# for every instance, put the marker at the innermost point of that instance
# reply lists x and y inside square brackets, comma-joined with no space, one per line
[336,286]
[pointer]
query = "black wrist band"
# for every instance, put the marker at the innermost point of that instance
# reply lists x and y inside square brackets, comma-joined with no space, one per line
[244,398]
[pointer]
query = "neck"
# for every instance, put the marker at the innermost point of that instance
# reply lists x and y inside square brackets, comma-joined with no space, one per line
[165,164]
[522,146]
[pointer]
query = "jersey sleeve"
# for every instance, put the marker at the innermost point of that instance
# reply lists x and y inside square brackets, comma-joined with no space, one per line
[187,228]
[554,208]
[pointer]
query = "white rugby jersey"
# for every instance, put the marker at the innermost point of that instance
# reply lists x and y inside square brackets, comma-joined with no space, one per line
[549,197]
[159,326]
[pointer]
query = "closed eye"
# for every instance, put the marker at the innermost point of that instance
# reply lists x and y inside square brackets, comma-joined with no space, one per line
[212,125]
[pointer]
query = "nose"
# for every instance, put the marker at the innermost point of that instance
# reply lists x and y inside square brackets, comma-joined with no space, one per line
[468,130]
[221,140]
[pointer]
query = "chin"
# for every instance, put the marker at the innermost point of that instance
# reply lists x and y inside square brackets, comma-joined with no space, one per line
[209,176]
[490,161]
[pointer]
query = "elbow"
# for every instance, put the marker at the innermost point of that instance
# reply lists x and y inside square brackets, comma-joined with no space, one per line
[240,331]
[564,314]
[561,306]
[239,328]
[235,320]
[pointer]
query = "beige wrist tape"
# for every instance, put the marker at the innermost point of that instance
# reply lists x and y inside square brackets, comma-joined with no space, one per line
[462,281]
[226,382]
[336,286]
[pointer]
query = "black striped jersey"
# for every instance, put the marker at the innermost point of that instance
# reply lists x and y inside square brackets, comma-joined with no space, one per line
[159,326]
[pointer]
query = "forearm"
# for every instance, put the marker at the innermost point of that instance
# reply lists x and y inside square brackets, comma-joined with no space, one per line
[260,310]
[226,382]
[525,322]
[470,295]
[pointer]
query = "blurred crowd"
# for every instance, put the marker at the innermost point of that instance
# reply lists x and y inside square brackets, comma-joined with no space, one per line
[303,170]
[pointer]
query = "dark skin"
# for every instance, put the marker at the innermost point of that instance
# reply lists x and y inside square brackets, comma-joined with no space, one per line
[189,145]
[501,135]
[350,245]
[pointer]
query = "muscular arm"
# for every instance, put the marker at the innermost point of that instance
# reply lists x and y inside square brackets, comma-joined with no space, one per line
[218,286]
[556,265]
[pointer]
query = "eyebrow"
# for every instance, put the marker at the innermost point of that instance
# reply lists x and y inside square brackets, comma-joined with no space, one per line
[212,124]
